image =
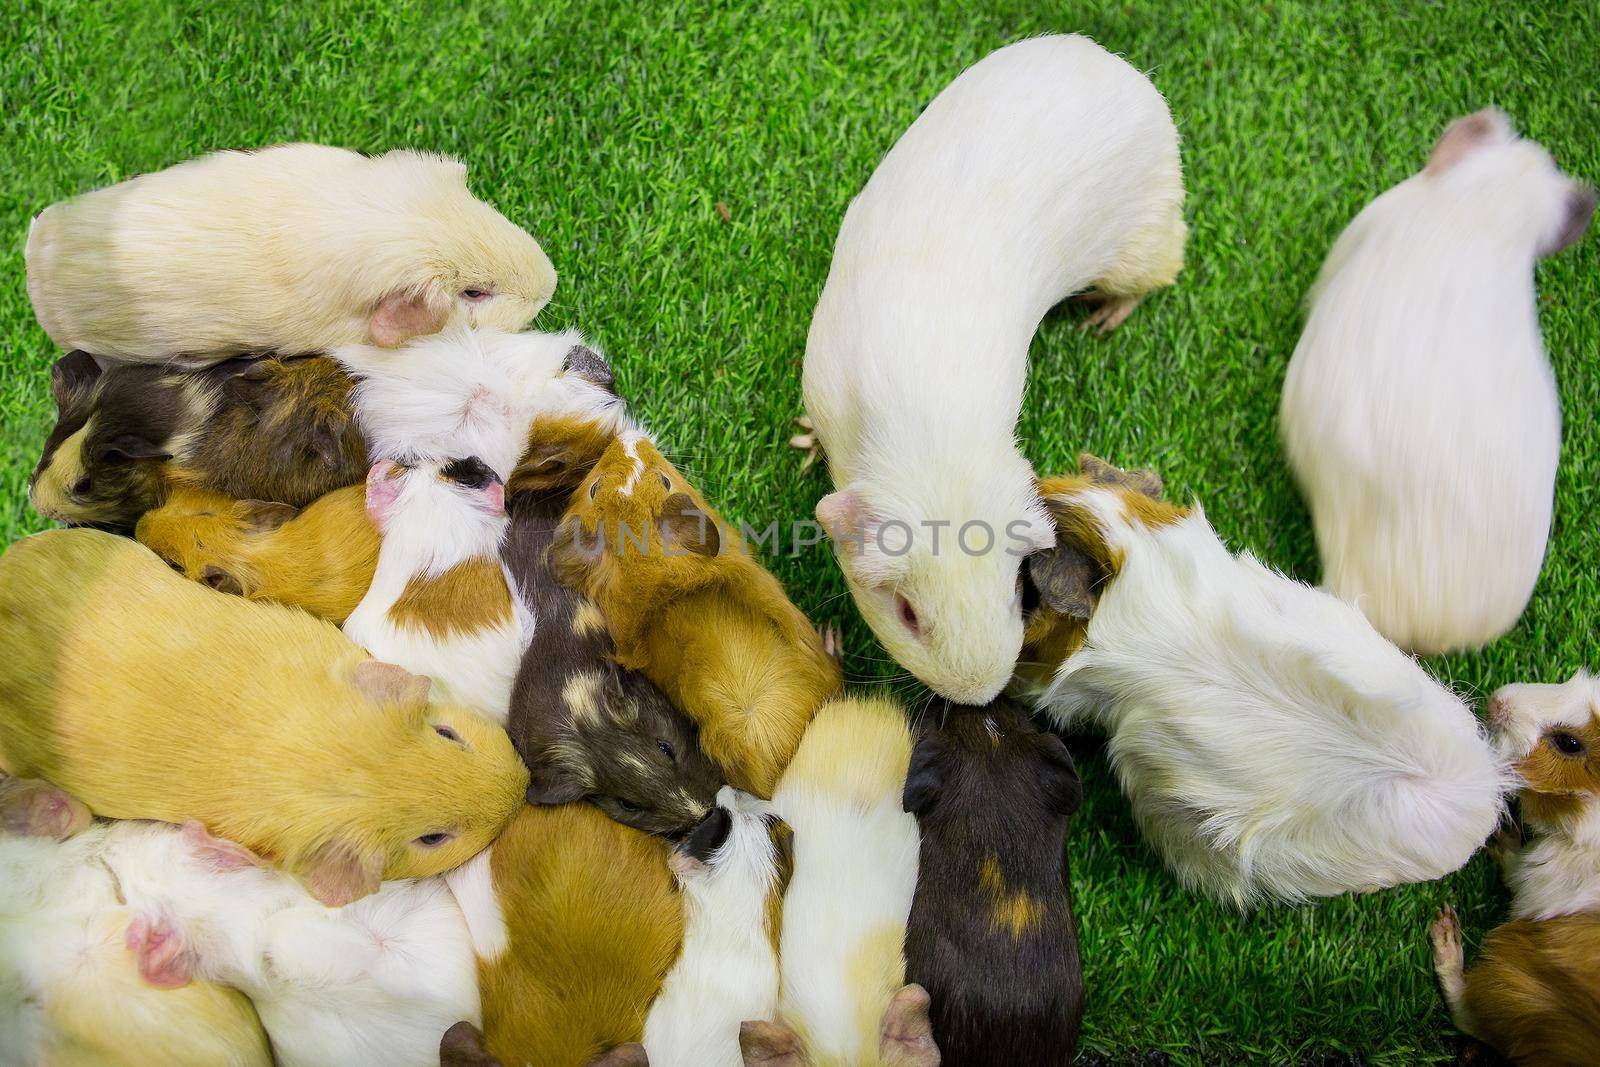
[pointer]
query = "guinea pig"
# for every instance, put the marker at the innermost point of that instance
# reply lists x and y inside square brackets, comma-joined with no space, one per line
[1420,412]
[732,869]
[575,923]
[319,559]
[295,248]
[376,981]
[589,728]
[690,607]
[1046,168]
[267,429]
[1551,736]
[441,602]
[1272,743]
[991,935]
[149,696]
[1533,995]
[842,997]
[70,991]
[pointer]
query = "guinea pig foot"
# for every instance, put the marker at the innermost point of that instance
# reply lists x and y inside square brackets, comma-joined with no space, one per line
[35,808]
[1109,311]
[157,943]
[832,643]
[1445,936]
[806,442]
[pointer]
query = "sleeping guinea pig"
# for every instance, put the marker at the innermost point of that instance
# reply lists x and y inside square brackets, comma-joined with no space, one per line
[266,429]
[991,935]
[295,248]
[690,607]
[151,697]
[1272,743]
[1419,412]
[1048,167]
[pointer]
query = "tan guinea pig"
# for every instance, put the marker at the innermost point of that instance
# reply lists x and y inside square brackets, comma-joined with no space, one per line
[151,697]
[292,249]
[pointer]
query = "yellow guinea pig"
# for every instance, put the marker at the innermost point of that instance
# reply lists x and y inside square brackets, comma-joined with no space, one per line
[151,697]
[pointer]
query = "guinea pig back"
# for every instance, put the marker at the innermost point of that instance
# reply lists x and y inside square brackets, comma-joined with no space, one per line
[148,696]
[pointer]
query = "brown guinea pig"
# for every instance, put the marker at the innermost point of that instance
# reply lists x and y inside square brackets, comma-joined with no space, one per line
[265,429]
[690,607]
[319,559]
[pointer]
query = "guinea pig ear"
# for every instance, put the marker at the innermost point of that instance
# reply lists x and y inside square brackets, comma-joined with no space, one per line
[1465,134]
[924,775]
[688,529]
[1066,579]
[843,516]
[463,1046]
[554,783]
[591,366]
[905,1038]
[263,516]
[1059,776]
[337,873]
[73,372]
[1099,472]
[33,807]
[389,685]
[217,853]
[128,448]
[770,1044]
[630,1055]
[401,316]
[383,489]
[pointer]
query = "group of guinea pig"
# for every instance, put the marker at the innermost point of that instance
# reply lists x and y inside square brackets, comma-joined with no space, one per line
[430,715]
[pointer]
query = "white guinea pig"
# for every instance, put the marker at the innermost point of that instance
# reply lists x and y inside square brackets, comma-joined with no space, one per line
[1046,168]
[377,981]
[292,249]
[1272,743]
[1419,412]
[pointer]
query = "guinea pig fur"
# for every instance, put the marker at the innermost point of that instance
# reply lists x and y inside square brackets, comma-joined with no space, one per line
[1420,412]
[1046,168]
[70,991]
[320,559]
[991,935]
[589,728]
[1272,743]
[295,248]
[690,607]
[374,982]
[575,922]
[842,960]
[1551,735]
[441,602]
[149,696]
[732,869]
[267,429]
[1534,993]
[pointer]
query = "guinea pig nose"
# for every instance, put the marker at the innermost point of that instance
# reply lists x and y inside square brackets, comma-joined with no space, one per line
[708,836]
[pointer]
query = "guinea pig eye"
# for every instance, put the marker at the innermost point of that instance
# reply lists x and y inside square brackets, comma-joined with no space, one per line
[435,840]
[627,805]
[666,483]
[1565,743]
[447,733]
[82,486]
[594,487]
[666,748]
[475,296]
[908,615]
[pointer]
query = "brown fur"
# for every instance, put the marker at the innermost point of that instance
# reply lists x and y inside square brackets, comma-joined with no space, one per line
[1534,993]
[691,608]
[320,560]
[1557,786]
[467,597]
[151,697]
[594,924]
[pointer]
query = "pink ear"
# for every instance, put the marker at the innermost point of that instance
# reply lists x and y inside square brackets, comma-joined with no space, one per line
[337,874]
[402,316]
[383,488]
[218,853]
[157,943]
[1465,134]
[840,514]
[35,808]
[769,1044]
[906,1037]
[496,497]
[389,685]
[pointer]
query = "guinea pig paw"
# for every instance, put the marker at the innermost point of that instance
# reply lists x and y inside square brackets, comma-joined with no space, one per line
[1109,311]
[157,942]
[806,442]
[1445,936]
[832,642]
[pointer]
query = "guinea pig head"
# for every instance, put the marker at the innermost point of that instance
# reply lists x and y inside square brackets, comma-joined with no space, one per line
[1509,183]
[990,759]
[1551,734]
[580,416]
[459,499]
[103,462]
[458,257]
[624,747]
[413,788]
[938,579]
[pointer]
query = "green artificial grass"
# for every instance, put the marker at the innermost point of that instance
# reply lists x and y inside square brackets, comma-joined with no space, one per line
[613,130]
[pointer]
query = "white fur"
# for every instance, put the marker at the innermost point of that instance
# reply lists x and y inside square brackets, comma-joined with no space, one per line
[1272,743]
[1420,413]
[433,525]
[377,981]
[855,871]
[1558,873]
[1048,167]
[472,883]
[727,972]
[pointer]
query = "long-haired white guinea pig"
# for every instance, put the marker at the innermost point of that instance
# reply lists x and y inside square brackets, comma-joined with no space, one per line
[1420,412]
[292,249]
[1273,744]
[1049,167]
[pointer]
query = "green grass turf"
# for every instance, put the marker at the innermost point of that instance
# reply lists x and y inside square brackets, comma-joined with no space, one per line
[612,130]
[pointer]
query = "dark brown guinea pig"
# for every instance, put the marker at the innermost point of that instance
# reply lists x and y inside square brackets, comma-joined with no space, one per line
[249,428]
[991,934]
